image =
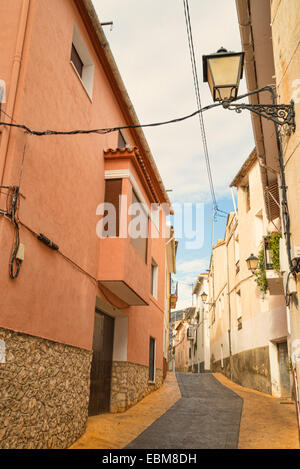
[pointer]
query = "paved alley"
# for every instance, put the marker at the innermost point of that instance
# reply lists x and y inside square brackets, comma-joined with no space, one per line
[196,411]
[207,416]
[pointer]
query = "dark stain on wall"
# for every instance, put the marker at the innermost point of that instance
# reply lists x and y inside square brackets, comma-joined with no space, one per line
[250,368]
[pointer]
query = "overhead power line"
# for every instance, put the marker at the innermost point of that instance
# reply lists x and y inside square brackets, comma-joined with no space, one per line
[198,100]
[104,130]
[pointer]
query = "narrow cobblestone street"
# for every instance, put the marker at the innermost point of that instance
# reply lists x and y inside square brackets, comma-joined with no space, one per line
[196,411]
[206,417]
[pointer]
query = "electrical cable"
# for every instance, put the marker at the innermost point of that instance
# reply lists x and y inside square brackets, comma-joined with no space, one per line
[198,97]
[115,129]
[198,100]
[75,265]
[14,271]
[108,129]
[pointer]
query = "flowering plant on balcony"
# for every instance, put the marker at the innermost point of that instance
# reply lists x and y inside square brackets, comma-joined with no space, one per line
[270,244]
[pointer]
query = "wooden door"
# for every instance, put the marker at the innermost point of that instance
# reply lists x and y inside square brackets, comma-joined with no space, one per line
[101,364]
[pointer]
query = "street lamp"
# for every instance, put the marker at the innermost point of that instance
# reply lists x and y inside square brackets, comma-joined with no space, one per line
[252,263]
[223,71]
[204,297]
[224,82]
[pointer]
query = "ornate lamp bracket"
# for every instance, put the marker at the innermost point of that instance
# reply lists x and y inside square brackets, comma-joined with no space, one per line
[280,114]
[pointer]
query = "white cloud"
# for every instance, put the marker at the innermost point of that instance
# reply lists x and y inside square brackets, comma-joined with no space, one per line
[149,42]
[187,274]
[195,266]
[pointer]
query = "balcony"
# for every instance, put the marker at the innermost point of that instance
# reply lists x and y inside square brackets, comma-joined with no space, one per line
[123,271]
[124,265]
[173,301]
[275,282]
[273,276]
[174,294]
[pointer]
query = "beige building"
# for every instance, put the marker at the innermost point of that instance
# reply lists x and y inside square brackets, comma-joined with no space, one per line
[170,295]
[248,327]
[270,32]
[182,346]
[200,359]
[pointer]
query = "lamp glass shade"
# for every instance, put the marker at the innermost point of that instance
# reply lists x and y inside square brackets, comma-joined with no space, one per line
[204,297]
[223,72]
[252,263]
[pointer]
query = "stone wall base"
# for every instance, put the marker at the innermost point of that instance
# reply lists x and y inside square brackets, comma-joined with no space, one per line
[44,392]
[130,384]
[250,368]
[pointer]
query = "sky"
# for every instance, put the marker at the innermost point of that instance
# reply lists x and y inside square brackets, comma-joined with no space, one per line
[149,43]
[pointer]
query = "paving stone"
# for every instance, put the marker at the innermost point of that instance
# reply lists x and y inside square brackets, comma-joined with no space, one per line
[206,417]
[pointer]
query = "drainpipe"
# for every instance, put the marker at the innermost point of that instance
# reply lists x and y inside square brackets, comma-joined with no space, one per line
[13,85]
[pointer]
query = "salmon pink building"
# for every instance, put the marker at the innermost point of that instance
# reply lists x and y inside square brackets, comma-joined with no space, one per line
[81,316]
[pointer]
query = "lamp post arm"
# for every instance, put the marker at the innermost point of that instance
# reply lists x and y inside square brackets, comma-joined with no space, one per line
[280,114]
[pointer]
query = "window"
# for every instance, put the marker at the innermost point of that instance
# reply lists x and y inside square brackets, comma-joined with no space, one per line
[239,309]
[113,189]
[82,62]
[152,360]
[140,243]
[121,140]
[76,61]
[240,323]
[154,278]
[237,255]
[247,197]
[272,201]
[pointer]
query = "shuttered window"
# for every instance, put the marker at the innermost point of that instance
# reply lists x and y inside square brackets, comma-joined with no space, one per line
[272,201]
